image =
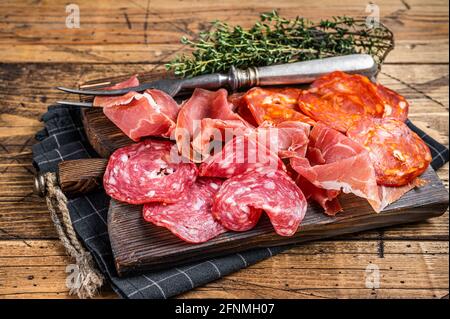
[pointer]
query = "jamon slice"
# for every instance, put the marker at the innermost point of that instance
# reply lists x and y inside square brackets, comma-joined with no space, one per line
[325,198]
[241,199]
[214,132]
[241,154]
[148,171]
[264,146]
[340,100]
[289,139]
[347,165]
[190,218]
[152,113]
[275,105]
[398,154]
[389,194]
[202,105]
[105,101]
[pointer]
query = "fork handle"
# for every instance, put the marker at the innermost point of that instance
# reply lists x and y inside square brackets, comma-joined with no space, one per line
[212,81]
[288,73]
[302,72]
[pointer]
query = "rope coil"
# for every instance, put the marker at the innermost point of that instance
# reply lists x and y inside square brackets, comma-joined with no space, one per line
[89,277]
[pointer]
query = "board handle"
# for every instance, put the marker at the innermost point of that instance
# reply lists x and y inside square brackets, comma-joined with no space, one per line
[77,177]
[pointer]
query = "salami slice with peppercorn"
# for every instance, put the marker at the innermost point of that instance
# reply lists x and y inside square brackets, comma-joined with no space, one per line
[149,171]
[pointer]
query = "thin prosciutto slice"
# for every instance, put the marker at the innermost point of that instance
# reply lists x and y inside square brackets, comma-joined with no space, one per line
[240,155]
[203,112]
[152,113]
[105,101]
[262,147]
[390,194]
[346,167]
[326,198]
[289,138]
[213,132]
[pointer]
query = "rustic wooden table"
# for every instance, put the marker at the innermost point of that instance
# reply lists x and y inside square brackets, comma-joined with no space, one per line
[38,52]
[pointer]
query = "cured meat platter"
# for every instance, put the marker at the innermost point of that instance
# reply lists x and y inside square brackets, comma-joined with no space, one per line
[140,246]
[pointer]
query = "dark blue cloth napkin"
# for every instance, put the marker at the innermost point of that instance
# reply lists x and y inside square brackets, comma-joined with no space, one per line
[63,139]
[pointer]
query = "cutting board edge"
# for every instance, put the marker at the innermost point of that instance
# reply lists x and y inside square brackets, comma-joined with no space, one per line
[394,217]
[117,139]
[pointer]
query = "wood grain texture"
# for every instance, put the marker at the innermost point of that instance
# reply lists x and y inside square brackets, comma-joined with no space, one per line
[141,31]
[38,52]
[139,246]
[325,269]
[425,87]
[77,177]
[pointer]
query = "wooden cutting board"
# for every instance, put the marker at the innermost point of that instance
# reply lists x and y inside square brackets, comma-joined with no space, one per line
[140,246]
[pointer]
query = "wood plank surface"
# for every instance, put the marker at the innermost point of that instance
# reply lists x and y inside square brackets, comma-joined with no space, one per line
[139,246]
[141,31]
[325,269]
[37,52]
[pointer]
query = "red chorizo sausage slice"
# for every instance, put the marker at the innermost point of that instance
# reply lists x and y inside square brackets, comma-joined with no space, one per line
[340,100]
[398,154]
[275,105]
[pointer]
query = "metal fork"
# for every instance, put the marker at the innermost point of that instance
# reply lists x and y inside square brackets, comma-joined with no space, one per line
[281,74]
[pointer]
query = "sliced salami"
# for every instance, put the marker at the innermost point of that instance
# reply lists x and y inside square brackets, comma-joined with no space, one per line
[149,171]
[241,200]
[190,218]
[398,154]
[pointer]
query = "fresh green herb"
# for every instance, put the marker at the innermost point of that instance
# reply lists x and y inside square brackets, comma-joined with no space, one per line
[274,39]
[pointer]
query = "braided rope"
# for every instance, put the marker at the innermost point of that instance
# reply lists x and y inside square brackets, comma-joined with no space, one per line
[89,278]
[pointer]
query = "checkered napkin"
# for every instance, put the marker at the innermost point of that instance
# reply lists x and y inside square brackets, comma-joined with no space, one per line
[63,139]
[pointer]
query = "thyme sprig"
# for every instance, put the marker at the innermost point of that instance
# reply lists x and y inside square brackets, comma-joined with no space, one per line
[275,39]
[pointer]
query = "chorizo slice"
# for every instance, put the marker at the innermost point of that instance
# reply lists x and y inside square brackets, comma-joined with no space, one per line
[275,105]
[398,154]
[341,100]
